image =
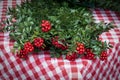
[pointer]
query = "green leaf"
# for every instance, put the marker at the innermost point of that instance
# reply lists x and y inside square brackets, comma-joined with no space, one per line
[17,33]
[57,55]
[16,45]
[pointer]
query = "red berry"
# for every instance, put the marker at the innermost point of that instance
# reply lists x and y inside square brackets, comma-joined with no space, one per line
[64,47]
[71,57]
[77,48]
[80,48]
[43,21]
[68,57]
[103,55]
[22,54]
[89,54]
[28,47]
[42,24]
[46,25]
[38,42]
[56,43]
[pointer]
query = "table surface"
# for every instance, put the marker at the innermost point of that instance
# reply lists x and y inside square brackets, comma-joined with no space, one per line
[41,66]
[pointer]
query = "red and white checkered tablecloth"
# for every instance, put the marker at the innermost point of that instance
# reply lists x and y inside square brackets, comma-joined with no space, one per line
[42,67]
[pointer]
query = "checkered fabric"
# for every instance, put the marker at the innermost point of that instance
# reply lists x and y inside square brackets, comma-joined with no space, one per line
[41,67]
[107,16]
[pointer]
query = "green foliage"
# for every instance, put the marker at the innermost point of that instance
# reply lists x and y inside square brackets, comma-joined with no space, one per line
[104,4]
[70,24]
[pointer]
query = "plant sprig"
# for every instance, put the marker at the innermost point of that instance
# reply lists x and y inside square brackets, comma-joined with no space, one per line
[71,25]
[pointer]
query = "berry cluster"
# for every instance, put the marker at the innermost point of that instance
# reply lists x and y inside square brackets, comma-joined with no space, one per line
[22,54]
[89,54]
[28,47]
[38,42]
[72,56]
[80,48]
[57,44]
[103,55]
[46,26]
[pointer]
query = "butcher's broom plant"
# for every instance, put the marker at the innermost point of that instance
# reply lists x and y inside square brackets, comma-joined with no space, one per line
[48,25]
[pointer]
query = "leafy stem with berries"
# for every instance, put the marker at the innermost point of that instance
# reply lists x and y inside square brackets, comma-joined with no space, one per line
[64,30]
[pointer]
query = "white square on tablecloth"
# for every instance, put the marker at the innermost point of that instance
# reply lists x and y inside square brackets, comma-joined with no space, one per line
[37,69]
[1,54]
[18,67]
[30,72]
[100,75]
[1,67]
[89,75]
[97,71]
[6,46]
[119,58]
[62,78]
[58,70]
[23,77]
[42,77]
[79,75]
[105,67]
[5,75]
[6,63]
[11,71]
[16,79]
[44,64]
[32,59]
[50,74]
[12,58]
[80,66]
[24,63]
[118,77]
